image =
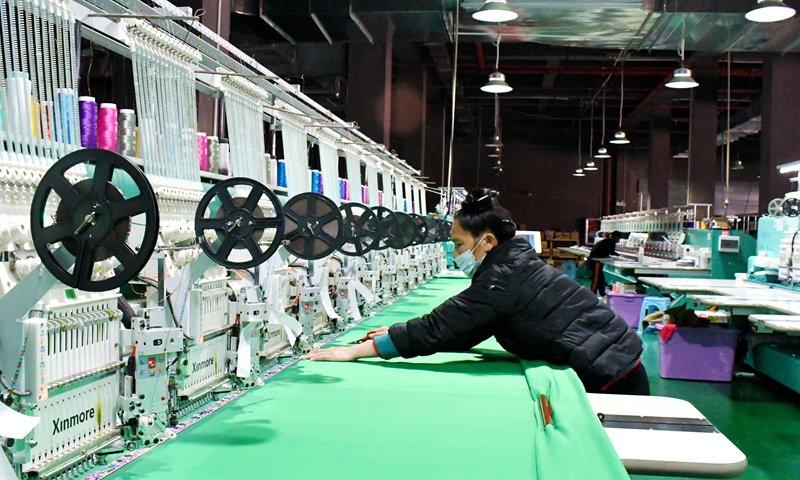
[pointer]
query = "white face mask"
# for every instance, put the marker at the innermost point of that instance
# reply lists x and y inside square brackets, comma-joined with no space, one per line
[466,261]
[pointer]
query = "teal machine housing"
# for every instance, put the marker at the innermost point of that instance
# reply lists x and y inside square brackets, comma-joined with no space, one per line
[722,265]
[776,355]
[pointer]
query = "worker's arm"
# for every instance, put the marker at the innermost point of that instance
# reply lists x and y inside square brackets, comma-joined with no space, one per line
[458,324]
[344,354]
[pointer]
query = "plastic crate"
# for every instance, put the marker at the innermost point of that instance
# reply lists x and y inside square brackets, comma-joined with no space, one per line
[698,354]
[627,305]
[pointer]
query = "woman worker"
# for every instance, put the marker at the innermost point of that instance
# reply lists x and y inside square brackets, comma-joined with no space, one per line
[533,310]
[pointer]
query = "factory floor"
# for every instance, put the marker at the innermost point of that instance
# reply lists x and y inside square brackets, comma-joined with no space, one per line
[760,416]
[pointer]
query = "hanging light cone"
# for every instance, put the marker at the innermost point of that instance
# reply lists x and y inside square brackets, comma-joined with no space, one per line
[682,78]
[737,165]
[602,152]
[496,154]
[578,173]
[620,138]
[495,11]
[496,142]
[770,11]
[591,167]
[496,84]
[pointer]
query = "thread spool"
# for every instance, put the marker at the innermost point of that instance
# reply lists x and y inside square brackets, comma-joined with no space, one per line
[316,181]
[108,128]
[127,132]
[282,173]
[66,100]
[380,197]
[47,120]
[364,195]
[87,108]
[273,171]
[202,151]
[224,157]
[213,154]
[19,107]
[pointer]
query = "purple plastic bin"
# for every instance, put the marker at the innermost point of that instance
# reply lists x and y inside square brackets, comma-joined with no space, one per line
[627,305]
[698,354]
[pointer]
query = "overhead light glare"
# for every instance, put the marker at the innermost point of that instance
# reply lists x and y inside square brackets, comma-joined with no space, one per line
[620,138]
[496,84]
[681,79]
[602,152]
[591,167]
[495,11]
[579,173]
[770,11]
[737,165]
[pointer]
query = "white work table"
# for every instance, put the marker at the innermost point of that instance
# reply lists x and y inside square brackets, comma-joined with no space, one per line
[655,267]
[698,284]
[742,297]
[789,324]
[666,436]
[579,251]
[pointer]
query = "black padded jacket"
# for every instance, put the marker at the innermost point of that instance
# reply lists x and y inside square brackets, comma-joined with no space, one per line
[534,311]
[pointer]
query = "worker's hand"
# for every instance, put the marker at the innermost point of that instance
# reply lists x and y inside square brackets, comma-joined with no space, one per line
[342,354]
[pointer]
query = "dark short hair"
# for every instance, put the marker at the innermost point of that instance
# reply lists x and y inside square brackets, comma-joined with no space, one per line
[616,234]
[481,212]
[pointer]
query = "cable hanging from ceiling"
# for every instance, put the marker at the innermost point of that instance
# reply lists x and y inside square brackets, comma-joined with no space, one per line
[602,152]
[619,136]
[590,165]
[579,170]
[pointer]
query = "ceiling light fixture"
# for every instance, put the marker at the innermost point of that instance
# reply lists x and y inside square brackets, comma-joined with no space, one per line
[497,81]
[682,77]
[619,137]
[495,11]
[770,11]
[590,166]
[737,165]
[579,170]
[602,152]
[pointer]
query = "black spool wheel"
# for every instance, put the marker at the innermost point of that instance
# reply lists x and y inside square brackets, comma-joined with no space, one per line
[94,219]
[361,229]
[433,230]
[791,207]
[421,228]
[388,227]
[406,232]
[314,226]
[239,223]
[444,231]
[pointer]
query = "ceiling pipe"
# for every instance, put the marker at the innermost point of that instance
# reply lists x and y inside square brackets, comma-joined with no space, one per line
[580,70]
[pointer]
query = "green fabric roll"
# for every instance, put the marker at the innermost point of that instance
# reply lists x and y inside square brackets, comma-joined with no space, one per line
[449,416]
[575,446]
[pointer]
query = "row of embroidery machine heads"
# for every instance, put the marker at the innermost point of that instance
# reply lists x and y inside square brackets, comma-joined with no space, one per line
[131,295]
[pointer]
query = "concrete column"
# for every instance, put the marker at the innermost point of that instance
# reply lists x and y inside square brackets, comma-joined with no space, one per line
[660,170]
[703,134]
[369,87]
[780,142]
[409,106]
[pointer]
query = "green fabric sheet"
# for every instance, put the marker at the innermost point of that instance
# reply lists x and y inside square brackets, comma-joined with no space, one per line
[449,416]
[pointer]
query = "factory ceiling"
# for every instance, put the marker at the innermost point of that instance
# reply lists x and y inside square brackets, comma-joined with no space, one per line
[556,54]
